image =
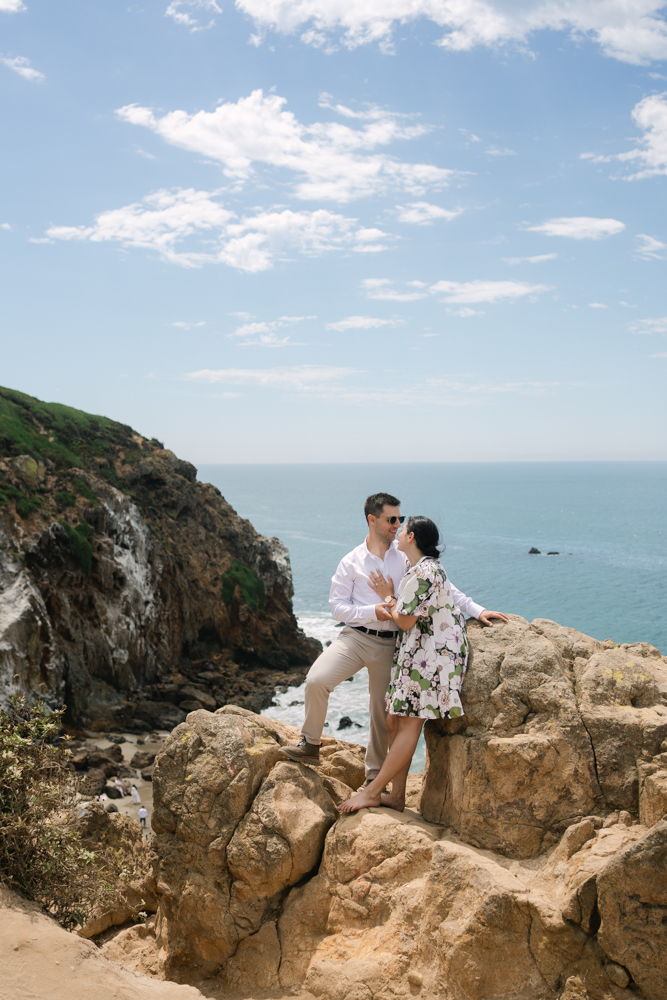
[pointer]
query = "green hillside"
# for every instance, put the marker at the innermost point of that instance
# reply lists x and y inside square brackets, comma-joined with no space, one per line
[65,436]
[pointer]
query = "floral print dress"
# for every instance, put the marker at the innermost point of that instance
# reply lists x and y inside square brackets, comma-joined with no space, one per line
[432,656]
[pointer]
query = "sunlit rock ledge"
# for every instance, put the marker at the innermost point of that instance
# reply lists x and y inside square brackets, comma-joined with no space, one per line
[535,865]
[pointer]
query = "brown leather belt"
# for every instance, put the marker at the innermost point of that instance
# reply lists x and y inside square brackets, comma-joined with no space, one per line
[387,634]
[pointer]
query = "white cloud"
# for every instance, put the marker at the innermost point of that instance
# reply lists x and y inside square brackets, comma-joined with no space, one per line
[456,292]
[650,155]
[465,312]
[165,219]
[179,11]
[22,66]
[597,305]
[656,324]
[265,334]
[649,247]
[496,151]
[630,30]
[297,377]
[361,323]
[485,291]
[579,227]
[11,6]
[422,213]
[184,325]
[5,225]
[662,354]
[349,386]
[538,259]
[333,161]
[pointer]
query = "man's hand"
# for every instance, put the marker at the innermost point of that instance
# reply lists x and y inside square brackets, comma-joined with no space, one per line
[382,613]
[383,588]
[485,615]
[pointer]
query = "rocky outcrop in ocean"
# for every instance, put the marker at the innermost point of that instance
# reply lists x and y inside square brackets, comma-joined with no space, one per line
[534,869]
[128,590]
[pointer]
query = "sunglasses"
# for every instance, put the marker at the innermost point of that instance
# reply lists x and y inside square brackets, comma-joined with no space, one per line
[393,519]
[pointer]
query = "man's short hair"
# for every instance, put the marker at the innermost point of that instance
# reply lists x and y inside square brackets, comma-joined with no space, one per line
[375,503]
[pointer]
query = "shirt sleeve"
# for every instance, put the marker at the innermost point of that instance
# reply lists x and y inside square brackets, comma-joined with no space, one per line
[465,604]
[417,593]
[340,598]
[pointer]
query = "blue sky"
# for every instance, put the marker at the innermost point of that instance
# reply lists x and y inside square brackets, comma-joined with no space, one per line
[307,230]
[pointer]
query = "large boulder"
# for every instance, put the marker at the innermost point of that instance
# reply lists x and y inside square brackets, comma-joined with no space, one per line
[555,725]
[236,825]
[632,902]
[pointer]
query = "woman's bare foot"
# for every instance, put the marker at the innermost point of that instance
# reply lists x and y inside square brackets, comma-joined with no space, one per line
[392,801]
[362,800]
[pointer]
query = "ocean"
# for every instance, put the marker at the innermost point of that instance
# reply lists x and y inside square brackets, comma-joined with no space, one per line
[606,520]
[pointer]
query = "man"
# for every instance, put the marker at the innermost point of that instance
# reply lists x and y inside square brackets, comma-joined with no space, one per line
[368,638]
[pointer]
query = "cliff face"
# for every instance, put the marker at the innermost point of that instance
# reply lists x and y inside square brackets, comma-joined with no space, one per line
[127,588]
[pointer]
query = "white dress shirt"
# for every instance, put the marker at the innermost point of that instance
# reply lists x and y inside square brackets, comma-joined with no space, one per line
[351,599]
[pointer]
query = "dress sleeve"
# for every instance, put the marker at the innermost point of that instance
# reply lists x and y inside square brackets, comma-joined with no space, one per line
[417,590]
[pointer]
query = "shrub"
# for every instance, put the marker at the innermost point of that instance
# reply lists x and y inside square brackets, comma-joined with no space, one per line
[42,852]
[250,585]
[83,489]
[7,492]
[79,544]
[109,474]
[65,499]
[25,505]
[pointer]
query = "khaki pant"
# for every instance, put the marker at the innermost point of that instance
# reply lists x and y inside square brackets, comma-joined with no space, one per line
[346,655]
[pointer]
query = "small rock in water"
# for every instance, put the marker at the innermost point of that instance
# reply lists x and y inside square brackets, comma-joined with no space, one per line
[293,703]
[350,679]
[553,553]
[345,723]
[534,552]
[116,738]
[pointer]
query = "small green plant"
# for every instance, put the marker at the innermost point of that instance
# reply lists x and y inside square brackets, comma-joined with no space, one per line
[109,474]
[43,853]
[79,544]
[81,487]
[250,585]
[26,505]
[7,493]
[65,499]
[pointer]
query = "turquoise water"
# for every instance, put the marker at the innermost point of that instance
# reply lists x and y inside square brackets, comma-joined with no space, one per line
[606,519]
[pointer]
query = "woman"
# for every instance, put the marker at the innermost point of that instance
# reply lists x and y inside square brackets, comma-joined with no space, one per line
[430,661]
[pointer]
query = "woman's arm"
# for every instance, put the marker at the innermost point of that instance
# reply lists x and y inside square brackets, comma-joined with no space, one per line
[404,622]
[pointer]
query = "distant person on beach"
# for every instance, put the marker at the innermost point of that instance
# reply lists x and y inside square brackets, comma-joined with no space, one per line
[143,813]
[429,664]
[136,798]
[368,638]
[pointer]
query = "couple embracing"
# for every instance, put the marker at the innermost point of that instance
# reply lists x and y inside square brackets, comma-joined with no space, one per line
[403,621]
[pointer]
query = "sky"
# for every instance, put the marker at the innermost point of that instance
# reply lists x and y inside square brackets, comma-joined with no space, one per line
[322,231]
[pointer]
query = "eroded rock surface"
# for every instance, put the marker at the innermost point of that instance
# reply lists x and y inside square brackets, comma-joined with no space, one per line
[556,725]
[529,878]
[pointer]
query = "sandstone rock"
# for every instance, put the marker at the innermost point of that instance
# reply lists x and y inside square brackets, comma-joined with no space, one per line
[652,794]
[632,900]
[554,725]
[256,962]
[281,838]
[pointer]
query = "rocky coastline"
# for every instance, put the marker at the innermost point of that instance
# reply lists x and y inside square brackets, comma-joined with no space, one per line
[529,864]
[128,590]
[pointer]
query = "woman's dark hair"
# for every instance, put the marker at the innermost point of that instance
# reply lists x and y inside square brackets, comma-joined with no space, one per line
[426,534]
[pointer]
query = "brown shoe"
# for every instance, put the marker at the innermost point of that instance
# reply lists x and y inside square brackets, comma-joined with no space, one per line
[303,753]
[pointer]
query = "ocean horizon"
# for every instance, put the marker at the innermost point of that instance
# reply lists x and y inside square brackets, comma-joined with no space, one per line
[606,521]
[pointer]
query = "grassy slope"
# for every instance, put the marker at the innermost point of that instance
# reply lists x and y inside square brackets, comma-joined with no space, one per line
[61,434]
